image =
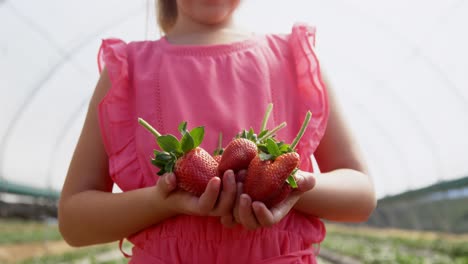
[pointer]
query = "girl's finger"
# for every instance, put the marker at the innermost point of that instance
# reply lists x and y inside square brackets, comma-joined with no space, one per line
[305,180]
[263,215]
[246,214]
[228,194]
[207,200]
[166,183]
[282,209]
[236,205]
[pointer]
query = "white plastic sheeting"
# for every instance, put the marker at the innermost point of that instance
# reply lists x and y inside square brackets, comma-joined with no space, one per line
[399,69]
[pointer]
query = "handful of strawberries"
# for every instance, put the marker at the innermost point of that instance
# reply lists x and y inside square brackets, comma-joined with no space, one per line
[270,164]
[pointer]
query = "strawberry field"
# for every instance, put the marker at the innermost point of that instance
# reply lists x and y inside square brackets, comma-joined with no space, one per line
[370,245]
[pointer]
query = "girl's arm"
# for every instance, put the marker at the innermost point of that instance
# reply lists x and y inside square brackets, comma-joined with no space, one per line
[89,213]
[343,190]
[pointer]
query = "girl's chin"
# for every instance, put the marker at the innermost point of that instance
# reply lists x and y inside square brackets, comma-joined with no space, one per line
[213,19]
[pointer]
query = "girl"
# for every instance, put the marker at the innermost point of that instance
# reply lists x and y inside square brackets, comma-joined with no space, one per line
[207,71]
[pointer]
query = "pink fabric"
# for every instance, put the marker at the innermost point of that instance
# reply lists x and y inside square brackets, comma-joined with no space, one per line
[225,88]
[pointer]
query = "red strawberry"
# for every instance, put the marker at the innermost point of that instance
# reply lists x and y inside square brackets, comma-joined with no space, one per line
[243,148]
[283,193]
[194,170]
[237,155]
[192,165]
[265,178]
[217,158]
[268,171]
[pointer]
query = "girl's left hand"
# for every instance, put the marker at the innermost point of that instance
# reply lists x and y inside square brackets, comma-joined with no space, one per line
[253,215]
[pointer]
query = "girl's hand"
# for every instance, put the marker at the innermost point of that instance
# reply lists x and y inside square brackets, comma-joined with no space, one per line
[255,214]
[208,204]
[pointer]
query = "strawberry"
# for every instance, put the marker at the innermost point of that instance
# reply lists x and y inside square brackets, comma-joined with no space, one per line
[277,198]
[192,165]
[237,155]
[194,170]
[217,158]
[273,169]
[240,151]
[266,178]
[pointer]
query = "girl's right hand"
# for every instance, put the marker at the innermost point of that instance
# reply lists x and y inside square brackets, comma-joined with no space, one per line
[208,204]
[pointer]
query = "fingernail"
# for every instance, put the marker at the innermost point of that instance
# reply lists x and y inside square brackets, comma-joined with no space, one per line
[167,179]
[231,179]
[243,200]
[256,206]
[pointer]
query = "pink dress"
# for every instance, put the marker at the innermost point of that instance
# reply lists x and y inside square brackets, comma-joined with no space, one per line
[225,88]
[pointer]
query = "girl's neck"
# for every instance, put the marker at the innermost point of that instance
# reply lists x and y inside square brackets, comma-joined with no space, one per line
[189,32]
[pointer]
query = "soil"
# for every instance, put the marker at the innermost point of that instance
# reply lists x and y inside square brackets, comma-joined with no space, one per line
[18,252]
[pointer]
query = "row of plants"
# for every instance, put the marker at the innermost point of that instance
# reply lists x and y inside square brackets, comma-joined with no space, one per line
[76,256]
[371,245]
[22,231]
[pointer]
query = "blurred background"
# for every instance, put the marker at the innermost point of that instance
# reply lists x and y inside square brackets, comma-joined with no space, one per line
[399,69]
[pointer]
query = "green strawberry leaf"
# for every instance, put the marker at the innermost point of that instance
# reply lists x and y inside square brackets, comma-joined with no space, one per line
[162,155]
[183,127]
[169,143]
[272,147]
[197,134]
[164,161]
[263,148]
[244,134]
[251,133]
[265,156]
[174,156]
[172,148]
[285,148]
[291,180]
[169,166]
[263,133]
[158,163]
[187,143]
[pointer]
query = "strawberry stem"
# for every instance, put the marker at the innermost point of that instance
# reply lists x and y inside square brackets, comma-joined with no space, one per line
[267,115]
[273,131]
[149,127]
[220,140]
[302,130]
[219,150]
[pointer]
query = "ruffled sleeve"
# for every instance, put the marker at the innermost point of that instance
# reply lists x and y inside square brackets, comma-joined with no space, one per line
[312,91]
[117,116]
